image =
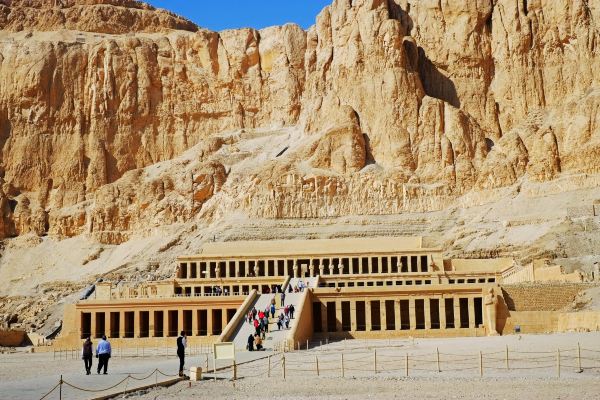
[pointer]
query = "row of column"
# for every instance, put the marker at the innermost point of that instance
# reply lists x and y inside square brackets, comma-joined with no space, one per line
[154,323]
[473,316]
[303,267]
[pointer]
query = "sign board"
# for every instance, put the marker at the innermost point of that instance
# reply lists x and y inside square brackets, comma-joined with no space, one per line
[224,351]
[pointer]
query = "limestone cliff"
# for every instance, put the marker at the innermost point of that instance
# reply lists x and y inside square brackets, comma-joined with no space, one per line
[382,107]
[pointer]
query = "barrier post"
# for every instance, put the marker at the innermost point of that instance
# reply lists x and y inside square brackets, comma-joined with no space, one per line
[437,354]
[234,371]
[579,369]
[60,388]
[317,363]
[342,364]
[283,366]
[269,369]
[406,363]
[306,344]
[375,360]
[480,364]
[507,365]
[558,363]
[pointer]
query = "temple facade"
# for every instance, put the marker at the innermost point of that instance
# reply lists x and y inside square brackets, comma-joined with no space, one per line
[355,288]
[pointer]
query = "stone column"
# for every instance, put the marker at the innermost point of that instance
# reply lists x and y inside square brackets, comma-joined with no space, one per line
[189,268]
[397,320]
[247,267]
[93,325]
[399,264]
[353,316]
[311,267]
[331,266]
[427,311]
[321,267]
[179,321]
[195,327]
[223,319]
[136,324]
[456,312]
[369,325]
[471,312]
[121,324]
[165,323]
[324,327]
[370,264]
[295,268]
[442,313]
[412,314]
[107,324]
[338,316]
[151,323]
[383,314]
[209,322]
[418,263]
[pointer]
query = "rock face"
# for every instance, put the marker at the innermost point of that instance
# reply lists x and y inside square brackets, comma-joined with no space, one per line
[382,107]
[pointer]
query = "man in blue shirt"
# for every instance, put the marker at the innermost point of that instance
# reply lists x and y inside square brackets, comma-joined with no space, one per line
[103,354]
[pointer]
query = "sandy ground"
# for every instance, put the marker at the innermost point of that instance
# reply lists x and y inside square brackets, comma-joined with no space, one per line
[532,372]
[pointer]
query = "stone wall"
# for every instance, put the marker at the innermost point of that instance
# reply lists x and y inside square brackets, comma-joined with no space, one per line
[540,296]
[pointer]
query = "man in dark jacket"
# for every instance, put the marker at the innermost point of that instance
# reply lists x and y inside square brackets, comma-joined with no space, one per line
[181,345]
[87,354]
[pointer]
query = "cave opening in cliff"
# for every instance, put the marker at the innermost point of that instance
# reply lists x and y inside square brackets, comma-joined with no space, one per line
[86,325]
[390,315]
[404,315]
[449,310]
[100,324]
[434,313]
[420,313]
[375,315]
[158,324]
[463,304]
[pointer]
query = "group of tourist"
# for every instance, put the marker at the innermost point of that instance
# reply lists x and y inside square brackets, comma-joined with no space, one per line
[103,352]
[300,286]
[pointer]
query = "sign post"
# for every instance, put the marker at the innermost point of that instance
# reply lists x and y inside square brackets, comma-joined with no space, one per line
[223,351]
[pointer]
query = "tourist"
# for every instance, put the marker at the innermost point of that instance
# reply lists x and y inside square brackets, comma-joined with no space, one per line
[272,310]
[254,313]
[103,354]
[250,345]
[287,322]
[286,310]
[87,353]
[291,310]
[181,345]
[258,343]
[280,322]
[266,323]
[256,326]
[282,299]
[289,288]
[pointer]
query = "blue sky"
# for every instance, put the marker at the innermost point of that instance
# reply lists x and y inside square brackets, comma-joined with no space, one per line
[218,15]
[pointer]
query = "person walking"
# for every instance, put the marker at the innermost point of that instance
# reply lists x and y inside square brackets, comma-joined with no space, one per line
[251,342]
[272,310]
[87,353]
[282,299]
[181,345]
[103,352]
[291,310]
[258,343]
[287,322]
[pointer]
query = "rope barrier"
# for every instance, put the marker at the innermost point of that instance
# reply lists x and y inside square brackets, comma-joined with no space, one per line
[96,390]
[50,392]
